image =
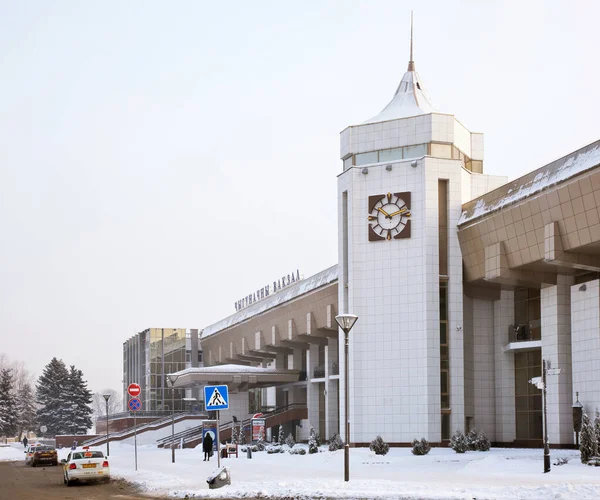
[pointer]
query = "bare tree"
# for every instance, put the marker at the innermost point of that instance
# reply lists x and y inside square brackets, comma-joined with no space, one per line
[115,404]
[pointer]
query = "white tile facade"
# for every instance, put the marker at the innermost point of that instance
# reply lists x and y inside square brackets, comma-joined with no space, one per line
[393,286]
[556,349]
[585,350]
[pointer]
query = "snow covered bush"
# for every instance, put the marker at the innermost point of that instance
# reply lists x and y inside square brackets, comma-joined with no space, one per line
[336,443]
[252,447]
[313,447]
[318,439]
[260,443]
[458,442]
[297,451]
[472,439]
[290,440]
[589,444]
[275,448]
[478,441]
[420,447]
[483,442]
[281,437]
[597,428]
[379,446]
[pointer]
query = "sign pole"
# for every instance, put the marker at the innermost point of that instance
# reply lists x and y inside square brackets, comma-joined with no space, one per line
[218,442]
[135,438]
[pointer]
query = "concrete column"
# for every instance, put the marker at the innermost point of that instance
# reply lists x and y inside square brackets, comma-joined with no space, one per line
[504,369]
[484,381]
[312,388]
[585,333]
[556,348]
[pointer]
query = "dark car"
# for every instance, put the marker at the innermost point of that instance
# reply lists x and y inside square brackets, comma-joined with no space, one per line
[44,455]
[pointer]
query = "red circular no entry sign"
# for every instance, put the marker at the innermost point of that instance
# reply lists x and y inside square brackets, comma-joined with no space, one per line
[134,390]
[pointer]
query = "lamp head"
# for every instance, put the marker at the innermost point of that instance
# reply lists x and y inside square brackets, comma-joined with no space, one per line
[346,321]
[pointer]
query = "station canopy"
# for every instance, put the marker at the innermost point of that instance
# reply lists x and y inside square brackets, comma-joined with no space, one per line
[237,377]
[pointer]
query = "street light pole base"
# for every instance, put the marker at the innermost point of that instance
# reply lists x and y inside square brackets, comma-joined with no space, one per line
[346,462]
[547,462]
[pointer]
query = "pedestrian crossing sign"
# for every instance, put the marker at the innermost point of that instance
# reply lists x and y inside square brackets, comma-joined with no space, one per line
[216,397]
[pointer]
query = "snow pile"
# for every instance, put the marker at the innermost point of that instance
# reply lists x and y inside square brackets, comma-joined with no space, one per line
[442,474]
[534,182]
[12,452]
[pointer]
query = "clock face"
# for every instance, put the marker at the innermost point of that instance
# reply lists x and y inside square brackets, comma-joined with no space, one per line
[389,216]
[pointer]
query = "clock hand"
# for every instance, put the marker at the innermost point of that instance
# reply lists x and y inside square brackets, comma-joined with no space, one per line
[399,212]
[384,212]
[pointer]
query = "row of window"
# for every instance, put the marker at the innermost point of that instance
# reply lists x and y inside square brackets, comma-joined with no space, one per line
[435,149]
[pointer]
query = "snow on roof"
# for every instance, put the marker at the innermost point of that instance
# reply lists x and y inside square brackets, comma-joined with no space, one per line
[228,369]
[410,99]
[291,292]
[545,177]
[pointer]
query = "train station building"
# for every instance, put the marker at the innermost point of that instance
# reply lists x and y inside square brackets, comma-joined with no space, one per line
[462,283]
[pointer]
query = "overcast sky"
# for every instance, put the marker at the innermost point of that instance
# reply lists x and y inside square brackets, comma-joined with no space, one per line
[160,160]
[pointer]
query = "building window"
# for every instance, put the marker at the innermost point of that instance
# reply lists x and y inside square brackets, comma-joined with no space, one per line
[444,344]
[528,398]
[388,155]
[527,323]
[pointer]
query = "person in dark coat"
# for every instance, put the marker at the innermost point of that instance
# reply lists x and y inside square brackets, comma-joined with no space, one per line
[207,445]
[25,442]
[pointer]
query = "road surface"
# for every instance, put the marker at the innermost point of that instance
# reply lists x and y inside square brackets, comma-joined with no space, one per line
[23,482]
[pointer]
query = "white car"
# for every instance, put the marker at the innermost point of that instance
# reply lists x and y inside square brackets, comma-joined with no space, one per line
[84,464]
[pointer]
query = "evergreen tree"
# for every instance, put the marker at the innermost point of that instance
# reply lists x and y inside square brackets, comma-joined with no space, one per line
[290,440]
[8,404]
[260,442]
[379,446]
[597,428]
[312,441]
[79,407]
[336,442]
[52,399]
[281,437]
[483,442]
[458,442]
[25,409]
[588,445]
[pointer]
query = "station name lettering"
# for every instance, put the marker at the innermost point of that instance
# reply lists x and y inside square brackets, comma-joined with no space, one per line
[267,290]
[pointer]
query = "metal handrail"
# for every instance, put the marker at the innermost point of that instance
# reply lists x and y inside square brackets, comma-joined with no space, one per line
[141,413]
[137,428]
[195,432]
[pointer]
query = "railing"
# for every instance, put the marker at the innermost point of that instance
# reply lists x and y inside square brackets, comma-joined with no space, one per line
[149,425]
[142,413]
[195,433]
[319,372]
[335,368]
[525,332]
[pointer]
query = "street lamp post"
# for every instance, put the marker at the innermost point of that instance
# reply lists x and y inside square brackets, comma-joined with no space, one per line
[172,379]
[346,322]
[545,395]
[106,398]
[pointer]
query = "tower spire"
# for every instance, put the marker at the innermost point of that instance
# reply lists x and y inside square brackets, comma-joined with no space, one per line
[411,63]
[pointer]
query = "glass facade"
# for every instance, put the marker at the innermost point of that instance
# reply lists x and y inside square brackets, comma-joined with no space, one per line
[149,357]
[528,398]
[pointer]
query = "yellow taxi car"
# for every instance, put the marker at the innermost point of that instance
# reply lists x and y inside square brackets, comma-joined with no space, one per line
[29,452]
[85,464]
[44,454]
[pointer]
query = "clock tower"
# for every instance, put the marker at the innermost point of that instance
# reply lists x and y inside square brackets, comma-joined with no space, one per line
[406,172]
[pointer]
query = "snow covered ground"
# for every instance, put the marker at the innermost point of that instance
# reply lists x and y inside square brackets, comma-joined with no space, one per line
[442,474]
